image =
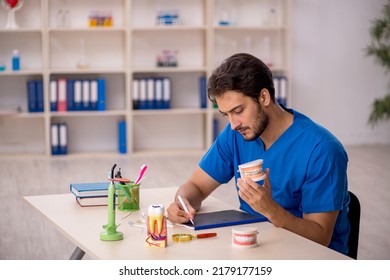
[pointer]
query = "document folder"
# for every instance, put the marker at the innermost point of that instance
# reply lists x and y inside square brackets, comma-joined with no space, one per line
[223,218]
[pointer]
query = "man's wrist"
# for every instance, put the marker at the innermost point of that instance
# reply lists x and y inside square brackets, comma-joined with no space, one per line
[277,215]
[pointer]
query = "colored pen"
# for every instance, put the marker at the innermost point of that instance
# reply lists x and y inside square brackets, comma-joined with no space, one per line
[185,207]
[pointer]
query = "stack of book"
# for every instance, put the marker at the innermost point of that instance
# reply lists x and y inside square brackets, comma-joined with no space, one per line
[90,194]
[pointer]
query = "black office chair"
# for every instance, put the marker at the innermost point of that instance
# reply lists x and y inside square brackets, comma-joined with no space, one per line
[354,221]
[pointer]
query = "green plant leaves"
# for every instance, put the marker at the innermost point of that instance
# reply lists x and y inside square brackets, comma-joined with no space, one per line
[380,49]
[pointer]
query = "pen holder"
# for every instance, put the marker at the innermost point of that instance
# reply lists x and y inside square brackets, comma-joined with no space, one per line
[128,197]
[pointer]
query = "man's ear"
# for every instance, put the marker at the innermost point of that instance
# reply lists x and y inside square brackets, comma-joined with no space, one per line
[264,97]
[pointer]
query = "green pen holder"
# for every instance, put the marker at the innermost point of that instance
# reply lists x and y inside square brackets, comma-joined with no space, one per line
[128,197]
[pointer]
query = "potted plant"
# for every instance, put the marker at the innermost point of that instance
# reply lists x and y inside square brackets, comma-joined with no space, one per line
[380,49]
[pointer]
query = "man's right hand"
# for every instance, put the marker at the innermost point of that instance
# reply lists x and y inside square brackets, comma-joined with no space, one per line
[177,215]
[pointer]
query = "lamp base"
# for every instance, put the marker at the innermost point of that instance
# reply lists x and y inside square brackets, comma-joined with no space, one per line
[111,236]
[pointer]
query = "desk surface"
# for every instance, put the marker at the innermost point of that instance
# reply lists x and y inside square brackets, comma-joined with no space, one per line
[82,225]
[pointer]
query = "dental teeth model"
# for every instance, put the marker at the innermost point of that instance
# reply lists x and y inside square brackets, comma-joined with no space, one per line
[157,226]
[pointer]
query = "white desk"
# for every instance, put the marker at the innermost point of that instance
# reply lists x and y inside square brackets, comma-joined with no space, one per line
[82,225]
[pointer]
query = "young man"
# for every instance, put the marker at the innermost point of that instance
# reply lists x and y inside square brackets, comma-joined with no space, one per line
[305,190]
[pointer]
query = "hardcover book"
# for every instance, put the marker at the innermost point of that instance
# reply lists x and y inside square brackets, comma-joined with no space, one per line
[92,201]
[90,189]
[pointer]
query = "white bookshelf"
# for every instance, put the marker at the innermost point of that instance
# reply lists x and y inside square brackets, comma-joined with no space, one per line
[49,37]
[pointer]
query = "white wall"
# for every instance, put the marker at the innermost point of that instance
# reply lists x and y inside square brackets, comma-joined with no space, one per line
[333,82]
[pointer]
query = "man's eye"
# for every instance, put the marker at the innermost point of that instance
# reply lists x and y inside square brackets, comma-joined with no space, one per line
[238,112]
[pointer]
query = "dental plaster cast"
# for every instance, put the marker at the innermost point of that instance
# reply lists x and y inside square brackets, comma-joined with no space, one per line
[244,237]
[157,227]
[252,170]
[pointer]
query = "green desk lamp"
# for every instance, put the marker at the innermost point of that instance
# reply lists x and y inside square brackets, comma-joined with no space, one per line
[110,233]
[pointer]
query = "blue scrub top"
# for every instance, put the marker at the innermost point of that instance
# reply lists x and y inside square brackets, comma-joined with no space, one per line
[308,170]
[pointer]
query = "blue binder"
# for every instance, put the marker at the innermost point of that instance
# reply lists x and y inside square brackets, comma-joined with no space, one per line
[39,88]
[122,137]
[101,105]
[63,138]
[53,95]
[94,95]
[150,98]
[77,95]
[54,139]
[158,93]
[167,93]
[86,95]
[142,94]
[70,95]
[202,92]
[135,94]
[32,96]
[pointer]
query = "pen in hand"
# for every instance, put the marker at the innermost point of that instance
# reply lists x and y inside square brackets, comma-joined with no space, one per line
[184,207]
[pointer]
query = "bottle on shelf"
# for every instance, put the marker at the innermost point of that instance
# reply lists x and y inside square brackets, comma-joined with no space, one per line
[63,18]
[82,63]
[15,60]
[3,66]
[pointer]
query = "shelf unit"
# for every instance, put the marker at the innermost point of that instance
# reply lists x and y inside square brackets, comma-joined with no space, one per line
[49,37]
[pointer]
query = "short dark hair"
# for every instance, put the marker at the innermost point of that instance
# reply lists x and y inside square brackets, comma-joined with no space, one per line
[243,73]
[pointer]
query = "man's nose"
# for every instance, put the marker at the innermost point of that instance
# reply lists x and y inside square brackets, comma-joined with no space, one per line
[234,123]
